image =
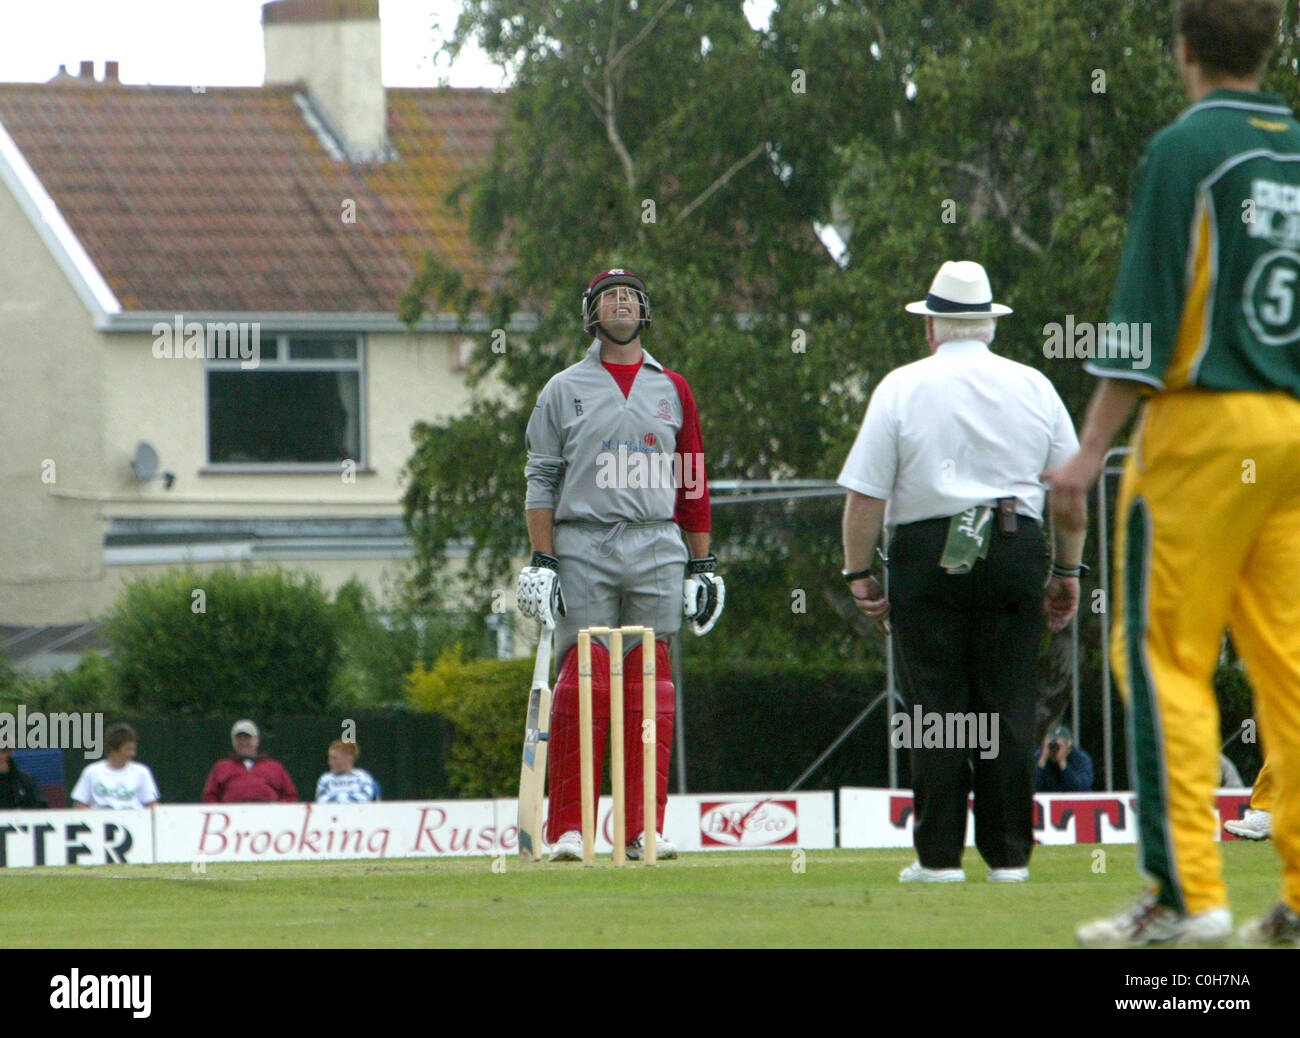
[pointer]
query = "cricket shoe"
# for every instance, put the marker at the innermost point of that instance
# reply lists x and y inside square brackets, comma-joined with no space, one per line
[918,873]
[1019,875]
[1147,922]
[568,847]
[665,850]
[1280,927]
[1255,825]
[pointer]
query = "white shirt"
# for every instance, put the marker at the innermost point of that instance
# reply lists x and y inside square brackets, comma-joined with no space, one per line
[959,428]
[356,787]
[122,788]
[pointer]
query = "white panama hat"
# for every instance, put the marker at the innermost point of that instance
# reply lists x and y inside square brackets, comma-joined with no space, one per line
[960,290]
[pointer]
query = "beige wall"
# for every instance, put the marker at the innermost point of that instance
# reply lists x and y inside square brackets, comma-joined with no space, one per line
[51,409]
[83,400]
[162,401]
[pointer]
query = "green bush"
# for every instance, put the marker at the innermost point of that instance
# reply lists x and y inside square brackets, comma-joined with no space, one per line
[224,642]
[88,687]
[378,645]
[755,725]
[485,701]
[375,652]
[751,725]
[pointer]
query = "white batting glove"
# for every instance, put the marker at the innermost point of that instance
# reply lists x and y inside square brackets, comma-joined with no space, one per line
[538,593]
[703,594]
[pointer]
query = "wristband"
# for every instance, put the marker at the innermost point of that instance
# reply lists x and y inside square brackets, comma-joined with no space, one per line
[704,564]
[541,560]
[1069,571]
[857,575]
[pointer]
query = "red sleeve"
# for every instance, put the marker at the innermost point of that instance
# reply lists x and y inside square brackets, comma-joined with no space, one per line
[692,511]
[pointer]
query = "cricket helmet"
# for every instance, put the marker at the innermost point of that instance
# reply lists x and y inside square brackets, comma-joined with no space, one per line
[607,279]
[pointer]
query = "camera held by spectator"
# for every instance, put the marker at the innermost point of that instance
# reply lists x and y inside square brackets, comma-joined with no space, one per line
[1062,767]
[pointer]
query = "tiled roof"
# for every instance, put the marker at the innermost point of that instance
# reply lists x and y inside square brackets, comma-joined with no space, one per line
[227,201]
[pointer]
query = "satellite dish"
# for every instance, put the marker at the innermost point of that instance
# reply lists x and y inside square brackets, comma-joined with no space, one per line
[145,462]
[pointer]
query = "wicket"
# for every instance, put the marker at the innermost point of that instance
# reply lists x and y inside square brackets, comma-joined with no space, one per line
[649,741]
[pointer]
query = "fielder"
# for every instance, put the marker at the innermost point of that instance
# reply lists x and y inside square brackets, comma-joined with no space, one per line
[1208,526]
[618,517]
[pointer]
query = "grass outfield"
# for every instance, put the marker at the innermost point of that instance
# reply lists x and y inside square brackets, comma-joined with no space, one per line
[841,899]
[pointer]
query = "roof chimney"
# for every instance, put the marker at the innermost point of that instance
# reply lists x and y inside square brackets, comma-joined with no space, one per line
[87,70]
[333,47]
[110,72]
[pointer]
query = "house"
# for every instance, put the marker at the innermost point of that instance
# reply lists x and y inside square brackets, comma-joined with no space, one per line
[200,355]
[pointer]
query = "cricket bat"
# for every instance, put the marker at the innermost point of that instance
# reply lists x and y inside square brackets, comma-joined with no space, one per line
[532,774]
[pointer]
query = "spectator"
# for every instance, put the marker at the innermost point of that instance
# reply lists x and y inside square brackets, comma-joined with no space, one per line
[245,777]
[17,788]
[345,783]
[1062,767]
[117,781]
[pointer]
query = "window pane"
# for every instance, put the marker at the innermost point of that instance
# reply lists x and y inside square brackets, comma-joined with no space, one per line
[323,349]
[280,416]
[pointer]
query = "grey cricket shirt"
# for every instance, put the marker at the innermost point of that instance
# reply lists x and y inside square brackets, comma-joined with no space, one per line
[596,456]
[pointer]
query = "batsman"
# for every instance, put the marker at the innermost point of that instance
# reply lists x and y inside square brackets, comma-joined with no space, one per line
[618,519]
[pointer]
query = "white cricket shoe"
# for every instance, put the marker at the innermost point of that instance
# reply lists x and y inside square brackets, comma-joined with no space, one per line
[568,847]
[918,873]
[1256,825]
[1147,923]
[665,850]
[1019,875]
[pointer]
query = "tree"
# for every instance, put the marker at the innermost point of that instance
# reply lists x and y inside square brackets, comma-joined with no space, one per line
[195,643]
[671,138]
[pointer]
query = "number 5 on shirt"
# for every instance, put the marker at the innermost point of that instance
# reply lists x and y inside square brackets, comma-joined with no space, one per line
[532,775]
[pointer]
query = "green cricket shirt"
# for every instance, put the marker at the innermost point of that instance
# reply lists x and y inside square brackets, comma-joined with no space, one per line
[1209,284]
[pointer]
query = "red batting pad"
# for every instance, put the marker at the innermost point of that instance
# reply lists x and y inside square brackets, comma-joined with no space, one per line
[665,711]
[563,760]
[665,693]
[564,763]
[632,754]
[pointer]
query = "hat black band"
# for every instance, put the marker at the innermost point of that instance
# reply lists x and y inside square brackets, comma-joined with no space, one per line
[947,306]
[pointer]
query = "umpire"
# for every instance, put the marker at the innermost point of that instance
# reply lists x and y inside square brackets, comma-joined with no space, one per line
[948,460]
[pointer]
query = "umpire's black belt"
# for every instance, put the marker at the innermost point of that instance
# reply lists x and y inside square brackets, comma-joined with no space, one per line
[944,520]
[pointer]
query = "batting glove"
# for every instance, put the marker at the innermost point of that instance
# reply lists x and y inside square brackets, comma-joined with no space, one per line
[538,594]
[703,594]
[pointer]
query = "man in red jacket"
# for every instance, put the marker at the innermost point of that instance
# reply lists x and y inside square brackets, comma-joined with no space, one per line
[244,777]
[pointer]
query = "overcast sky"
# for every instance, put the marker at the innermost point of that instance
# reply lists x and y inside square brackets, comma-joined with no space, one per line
[219,42]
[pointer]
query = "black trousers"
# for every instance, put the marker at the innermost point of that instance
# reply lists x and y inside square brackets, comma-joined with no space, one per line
[969,644]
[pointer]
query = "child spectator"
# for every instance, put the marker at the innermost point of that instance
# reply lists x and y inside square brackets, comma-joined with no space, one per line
[345,783]
[118,781]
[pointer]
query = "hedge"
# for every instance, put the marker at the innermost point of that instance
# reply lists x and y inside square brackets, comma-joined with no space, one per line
[750,726]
